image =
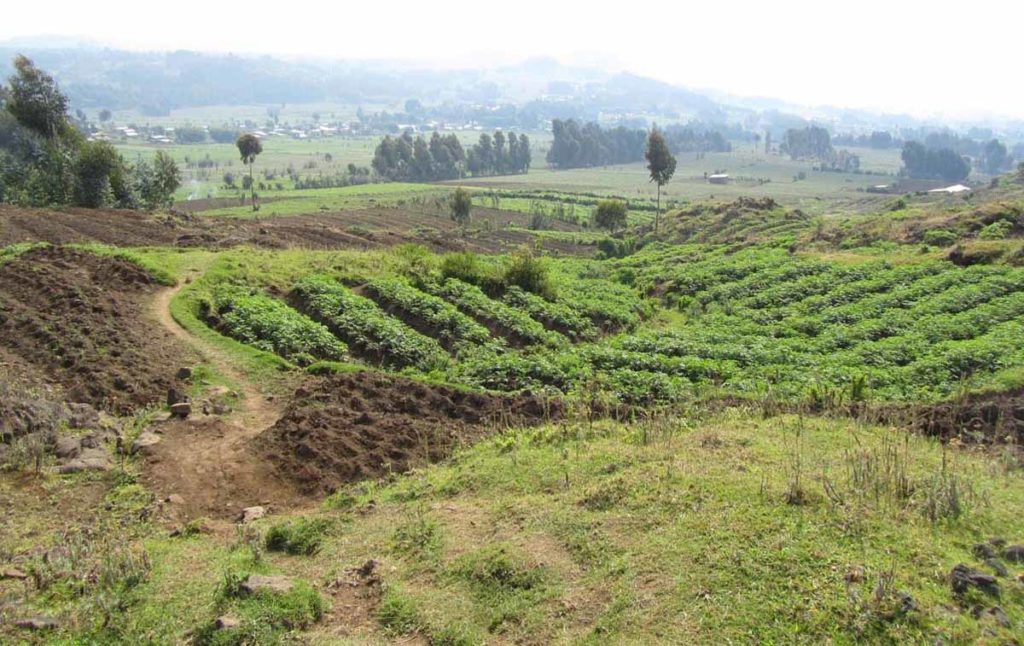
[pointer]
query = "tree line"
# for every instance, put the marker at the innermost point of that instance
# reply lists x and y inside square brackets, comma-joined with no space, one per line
[921,162]
[45,160]
[588,145]
[414,159]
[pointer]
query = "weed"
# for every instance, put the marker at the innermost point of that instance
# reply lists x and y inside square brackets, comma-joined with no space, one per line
[300,536]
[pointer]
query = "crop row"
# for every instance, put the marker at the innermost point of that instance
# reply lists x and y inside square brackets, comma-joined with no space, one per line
[427,313]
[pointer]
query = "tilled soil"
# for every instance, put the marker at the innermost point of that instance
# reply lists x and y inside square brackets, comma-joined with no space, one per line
[79,319]
[349,427]
[369,228]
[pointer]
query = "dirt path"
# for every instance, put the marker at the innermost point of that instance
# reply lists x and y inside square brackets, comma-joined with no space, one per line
[207,460]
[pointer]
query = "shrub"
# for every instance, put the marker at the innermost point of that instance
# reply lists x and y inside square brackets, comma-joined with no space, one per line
[939,238]
[398,612]
[303,536]
[529,272]
[996,231]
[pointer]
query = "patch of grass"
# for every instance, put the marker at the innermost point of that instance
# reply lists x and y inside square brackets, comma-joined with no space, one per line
[419,537]
[299,536]
[398,612]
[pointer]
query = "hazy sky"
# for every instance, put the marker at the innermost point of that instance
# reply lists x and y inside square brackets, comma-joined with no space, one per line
[919,57]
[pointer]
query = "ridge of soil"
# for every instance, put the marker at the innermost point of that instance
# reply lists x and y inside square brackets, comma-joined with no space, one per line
[348,427]
[367,228]
[79,319]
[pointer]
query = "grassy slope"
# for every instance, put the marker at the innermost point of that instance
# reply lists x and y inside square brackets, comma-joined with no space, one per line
[677,531]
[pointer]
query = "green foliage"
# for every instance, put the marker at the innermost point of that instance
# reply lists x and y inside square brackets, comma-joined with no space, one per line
[996,231]
[610,214]
[529,272]
[511,323]
[264,617]
[366,328]
[302,536]
[398,613]
[100,175]
[441,320]
[461,205]
[940,237]
[271,325]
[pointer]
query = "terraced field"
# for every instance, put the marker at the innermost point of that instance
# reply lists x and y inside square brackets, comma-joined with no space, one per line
[668,323]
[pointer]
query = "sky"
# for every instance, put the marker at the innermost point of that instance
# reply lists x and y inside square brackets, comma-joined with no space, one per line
[922,58]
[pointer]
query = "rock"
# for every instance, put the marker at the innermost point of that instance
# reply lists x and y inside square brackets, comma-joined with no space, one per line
[996,614]
[258,583]
[855,574]
[367,569]
[250,514]
[997,541]
[92,441]
[1014,554]
[37,623]
[175,396]
[983,551]
[227,623]
[183,374]
[220,408]
[13,573]
[67,447]
[963,578]
[997,567]
[181,410]
[175,499]
[907,603]
[82,416]
[88,460]
[145,442]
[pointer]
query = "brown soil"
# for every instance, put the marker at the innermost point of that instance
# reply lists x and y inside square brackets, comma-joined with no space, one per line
[355,229]
[987,418]
[362,425]
[79,319]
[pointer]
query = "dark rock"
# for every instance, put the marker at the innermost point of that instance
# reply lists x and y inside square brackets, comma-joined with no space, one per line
[996,614]
[1014,554]
[983,551]
[997,567]
[907,603]
[964,578]
[258,582]
[183,374]
[175,396]
[997,541]
[37,623]
[88,460]
[92,441]
[367,569]
[82,416]
[181,410]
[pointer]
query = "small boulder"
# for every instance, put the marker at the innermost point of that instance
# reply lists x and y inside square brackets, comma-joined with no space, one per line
[88,460]
[997,567]
[67,447]
[1014,553]
[996,615]
[181,410]
[92,441]
[37,623]
[175,499]
[250,514]
[259,583]
[145,442]
[983,551]
[82,416]
[226,622]
[963,578]
[13,573]
[184,374]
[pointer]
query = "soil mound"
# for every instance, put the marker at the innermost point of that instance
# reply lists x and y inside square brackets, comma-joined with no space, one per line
[994,418]
[362,425]
[78,319]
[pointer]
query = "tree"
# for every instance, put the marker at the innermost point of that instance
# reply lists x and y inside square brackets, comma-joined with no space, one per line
[35,100]
[249,147]
[660,163]
[461,205]
[994,157]
[166,179]
[610,214]
[105,115]
[99,175]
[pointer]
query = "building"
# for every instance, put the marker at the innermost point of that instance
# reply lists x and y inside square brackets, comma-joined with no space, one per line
[719,178]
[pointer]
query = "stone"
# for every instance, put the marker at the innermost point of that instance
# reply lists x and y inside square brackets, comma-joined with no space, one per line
[67,447]
[996,614]
[962,578]
[88,460]
[82,416]
[175,499]
[1014,554]
[181,410]
[259,583]
[37,623]
[227,622]
[92,441]
[175,396]
[184,373]
[145,442]
[983,551]
[13,573]
[997,567]
[250,514]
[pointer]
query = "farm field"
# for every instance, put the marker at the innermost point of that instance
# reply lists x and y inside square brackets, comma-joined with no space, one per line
[757,424]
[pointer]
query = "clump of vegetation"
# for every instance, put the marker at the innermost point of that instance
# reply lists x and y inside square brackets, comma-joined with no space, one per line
[302,536]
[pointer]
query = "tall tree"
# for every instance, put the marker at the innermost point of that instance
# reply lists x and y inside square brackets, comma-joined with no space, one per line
[660,163]
[610,214]
[35,100]
[249,147]
[461,205]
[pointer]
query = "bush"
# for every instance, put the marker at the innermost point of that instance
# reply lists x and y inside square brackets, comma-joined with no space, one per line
[303,536]
[530,272]
[939,238]
[996,231]
[397,612]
